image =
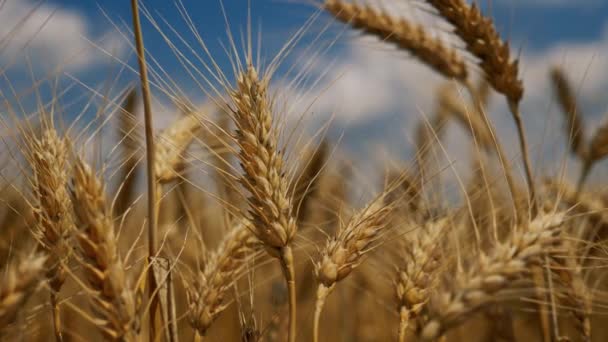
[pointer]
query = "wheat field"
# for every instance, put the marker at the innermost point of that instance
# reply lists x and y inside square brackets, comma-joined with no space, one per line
[234,223]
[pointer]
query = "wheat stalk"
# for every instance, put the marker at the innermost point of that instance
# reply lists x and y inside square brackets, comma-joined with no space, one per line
[113,299]
[405,35]
[222,267]
[271,208]
[496,272]
[345,251]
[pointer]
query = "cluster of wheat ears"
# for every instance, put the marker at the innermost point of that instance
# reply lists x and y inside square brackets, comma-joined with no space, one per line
[270,250]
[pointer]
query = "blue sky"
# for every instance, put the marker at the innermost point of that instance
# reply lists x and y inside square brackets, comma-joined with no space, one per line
[374,93]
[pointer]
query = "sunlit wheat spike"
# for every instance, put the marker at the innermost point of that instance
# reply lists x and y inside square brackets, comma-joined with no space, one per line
[346,250]
[417,275]
[271,206]
[112,298]
[171,145]
[206,295]
[481,40]
[495,272]
[49,159]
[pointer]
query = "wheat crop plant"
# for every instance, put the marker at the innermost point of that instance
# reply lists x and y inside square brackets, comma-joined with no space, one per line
[167,180]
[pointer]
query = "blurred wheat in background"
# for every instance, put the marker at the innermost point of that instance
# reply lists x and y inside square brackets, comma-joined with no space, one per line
[218,207]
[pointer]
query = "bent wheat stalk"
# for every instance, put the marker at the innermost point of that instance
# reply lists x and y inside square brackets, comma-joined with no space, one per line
[483,41]
[270,206]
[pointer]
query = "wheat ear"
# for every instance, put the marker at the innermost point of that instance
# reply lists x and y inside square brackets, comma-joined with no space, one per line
[113,299]
[129,147]
[171,145]
[222,267]
[345,251]
[271,207]
[483,41]
[53,211]
[574,128]
[496,272]
[18,284]
[597,150]
[405,35]
[416,278]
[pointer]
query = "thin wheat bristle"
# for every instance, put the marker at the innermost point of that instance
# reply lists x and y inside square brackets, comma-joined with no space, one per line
[171,145]
[19,282]
[567,100]
[481,39]
[405,35]
[113,300]
[206,295]
[501,269]
[468,118]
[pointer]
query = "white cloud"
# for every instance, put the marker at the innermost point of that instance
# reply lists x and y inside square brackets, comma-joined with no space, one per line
[51,36]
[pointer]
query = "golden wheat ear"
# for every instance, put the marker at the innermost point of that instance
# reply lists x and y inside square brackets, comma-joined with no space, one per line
[417,273]
[19,282]
[48,156]
[492,275]
[112,296]
[574,128]
[130,147]
[271,206]
[345,251]
[405,35]
[206,295]
[494,58]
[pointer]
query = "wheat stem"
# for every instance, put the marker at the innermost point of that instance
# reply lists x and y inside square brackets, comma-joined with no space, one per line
[56,317]
[322,293]
[523,144]
[150,155]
